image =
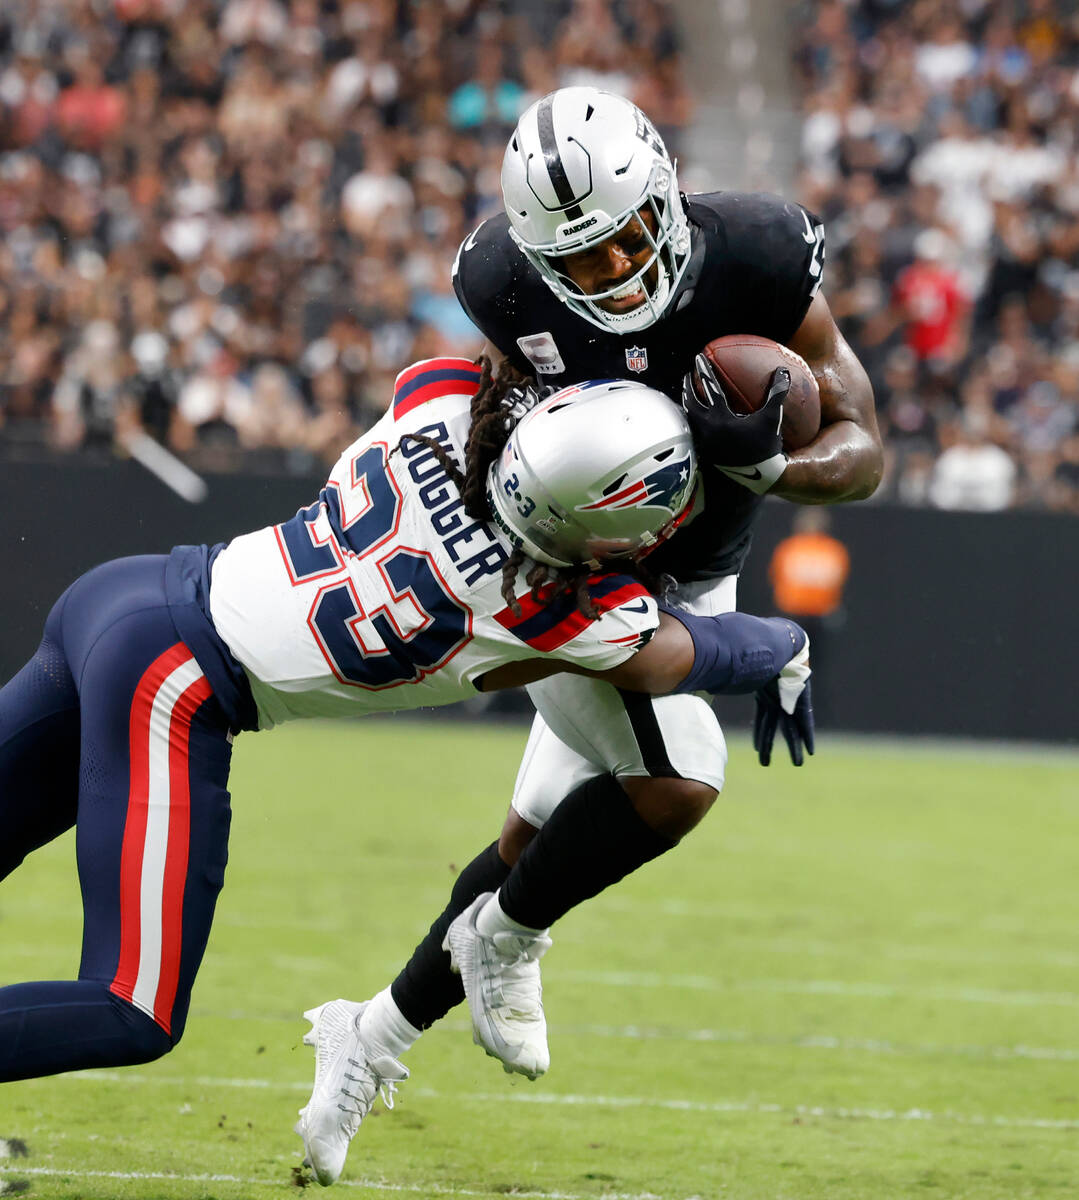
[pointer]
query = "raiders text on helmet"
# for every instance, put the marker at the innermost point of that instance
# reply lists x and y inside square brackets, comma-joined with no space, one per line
[596,471]
[581,163]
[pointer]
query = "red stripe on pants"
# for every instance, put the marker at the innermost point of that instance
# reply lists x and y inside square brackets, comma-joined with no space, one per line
[172,900]
[133,850]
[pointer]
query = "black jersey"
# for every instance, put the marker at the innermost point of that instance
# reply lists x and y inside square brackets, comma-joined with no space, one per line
[755,267]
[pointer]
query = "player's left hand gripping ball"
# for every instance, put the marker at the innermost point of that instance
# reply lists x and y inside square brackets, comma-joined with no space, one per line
[786,702]
[748,447]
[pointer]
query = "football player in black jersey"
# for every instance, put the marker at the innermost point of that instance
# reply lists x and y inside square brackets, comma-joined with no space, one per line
[600,267]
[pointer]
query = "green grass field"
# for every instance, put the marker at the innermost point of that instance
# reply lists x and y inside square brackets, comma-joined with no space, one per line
[857,981]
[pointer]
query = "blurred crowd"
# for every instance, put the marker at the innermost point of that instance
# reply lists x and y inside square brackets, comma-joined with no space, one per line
[941,146]
[229,223]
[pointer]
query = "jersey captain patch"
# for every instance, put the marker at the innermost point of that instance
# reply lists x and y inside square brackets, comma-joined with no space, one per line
[547,626]
[430,379]
[542,353]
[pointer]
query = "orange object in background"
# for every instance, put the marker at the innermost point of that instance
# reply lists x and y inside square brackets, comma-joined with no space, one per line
[809,568]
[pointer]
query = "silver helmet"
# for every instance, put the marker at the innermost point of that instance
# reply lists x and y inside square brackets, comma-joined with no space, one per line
[599,470]
[580,165]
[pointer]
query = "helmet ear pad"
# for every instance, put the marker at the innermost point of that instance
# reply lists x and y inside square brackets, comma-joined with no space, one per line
[598,471]
[582,163]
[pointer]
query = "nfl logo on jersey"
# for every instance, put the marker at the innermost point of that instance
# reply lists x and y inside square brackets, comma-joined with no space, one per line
[637,358]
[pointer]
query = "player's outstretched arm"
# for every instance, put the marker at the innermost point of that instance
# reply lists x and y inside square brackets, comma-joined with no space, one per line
[846,459]
[659,667]
[732,653]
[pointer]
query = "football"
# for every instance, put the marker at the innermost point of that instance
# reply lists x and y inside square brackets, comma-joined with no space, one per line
[744,364]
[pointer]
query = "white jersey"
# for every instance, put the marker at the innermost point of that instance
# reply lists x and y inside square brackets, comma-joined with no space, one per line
[384,594]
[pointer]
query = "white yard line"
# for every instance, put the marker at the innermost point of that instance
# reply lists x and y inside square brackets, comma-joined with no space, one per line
[821,987]
[553,1099]
[376,1185]
[734,910]
[821,1041]
[1025,958]
[862,989]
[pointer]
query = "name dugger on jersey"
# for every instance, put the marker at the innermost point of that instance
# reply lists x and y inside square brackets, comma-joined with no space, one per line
[385,594]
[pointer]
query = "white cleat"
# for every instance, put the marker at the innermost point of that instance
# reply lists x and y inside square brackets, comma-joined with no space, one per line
[501,977]
[347,1081]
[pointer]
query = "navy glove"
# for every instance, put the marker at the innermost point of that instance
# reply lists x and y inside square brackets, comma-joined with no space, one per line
[747,447]
[786,703]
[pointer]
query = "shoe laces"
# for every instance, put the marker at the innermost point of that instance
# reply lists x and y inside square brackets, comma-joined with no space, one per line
[515,977]
[369,1085]
[516,948]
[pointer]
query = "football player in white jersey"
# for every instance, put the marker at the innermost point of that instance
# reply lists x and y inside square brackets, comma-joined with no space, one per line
[447,554]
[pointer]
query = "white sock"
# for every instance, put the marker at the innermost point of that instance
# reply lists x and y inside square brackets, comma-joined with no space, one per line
[384,1030]
[491,920]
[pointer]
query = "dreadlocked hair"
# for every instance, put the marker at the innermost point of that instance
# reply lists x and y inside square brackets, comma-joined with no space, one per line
[573,580]
[488,431]
[490,427]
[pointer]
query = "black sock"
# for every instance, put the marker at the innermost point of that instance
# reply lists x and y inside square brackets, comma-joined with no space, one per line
[427,989]
[594,838]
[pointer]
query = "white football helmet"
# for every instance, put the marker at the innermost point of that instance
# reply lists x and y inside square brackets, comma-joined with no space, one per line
[580,164]
[599,470]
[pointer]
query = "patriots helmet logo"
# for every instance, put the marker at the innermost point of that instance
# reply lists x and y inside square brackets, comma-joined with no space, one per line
[661,488]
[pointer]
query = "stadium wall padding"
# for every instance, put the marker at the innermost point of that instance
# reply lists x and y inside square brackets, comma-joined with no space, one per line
[955,623]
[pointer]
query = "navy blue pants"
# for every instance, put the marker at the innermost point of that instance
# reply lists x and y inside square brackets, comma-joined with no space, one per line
[112,727]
